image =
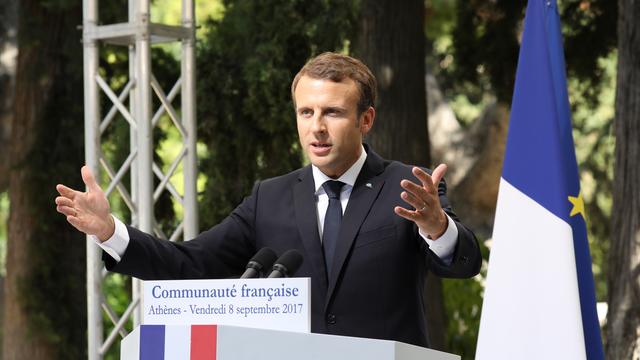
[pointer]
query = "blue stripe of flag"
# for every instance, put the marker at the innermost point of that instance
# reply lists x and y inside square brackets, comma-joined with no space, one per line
[536,161]
[151,342]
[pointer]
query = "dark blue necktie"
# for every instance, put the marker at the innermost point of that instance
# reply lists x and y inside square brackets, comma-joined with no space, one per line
[332,220]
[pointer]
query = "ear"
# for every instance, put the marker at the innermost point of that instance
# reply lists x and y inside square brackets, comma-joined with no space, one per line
[366,120]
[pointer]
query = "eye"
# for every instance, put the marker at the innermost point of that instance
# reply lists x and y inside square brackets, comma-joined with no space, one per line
[305,112]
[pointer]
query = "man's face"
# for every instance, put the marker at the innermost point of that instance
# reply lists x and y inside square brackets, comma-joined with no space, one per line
[328,125]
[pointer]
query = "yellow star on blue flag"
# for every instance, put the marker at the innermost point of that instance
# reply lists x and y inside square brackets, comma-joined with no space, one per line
[578,205]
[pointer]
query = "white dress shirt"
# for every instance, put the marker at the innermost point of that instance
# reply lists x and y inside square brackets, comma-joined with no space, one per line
[443,246]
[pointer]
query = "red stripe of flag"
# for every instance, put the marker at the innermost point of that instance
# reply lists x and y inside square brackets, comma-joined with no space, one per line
[203,342]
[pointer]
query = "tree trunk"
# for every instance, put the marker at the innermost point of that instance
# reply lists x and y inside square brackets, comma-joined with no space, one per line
[17,342]
[623,318]
[391,42]
[8,19]
[45,304]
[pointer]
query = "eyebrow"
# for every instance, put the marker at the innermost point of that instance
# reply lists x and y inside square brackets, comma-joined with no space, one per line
[324,109]
[334,108]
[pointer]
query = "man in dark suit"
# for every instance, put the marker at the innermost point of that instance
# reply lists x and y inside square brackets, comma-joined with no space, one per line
[366,254]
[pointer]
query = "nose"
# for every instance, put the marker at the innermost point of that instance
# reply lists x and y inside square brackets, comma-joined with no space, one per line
[318,124]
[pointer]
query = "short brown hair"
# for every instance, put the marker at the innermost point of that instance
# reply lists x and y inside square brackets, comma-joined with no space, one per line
[336,67]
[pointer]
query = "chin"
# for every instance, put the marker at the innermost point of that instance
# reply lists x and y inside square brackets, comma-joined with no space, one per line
[319,160]
[322,164]
[318,163]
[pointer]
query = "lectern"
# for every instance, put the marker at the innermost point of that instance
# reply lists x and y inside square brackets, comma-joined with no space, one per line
[221,342]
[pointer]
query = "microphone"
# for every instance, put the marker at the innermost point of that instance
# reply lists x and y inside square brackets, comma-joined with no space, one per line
[263,259]
[287,264]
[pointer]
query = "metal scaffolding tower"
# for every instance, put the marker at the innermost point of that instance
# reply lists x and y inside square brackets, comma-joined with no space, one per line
[138,34]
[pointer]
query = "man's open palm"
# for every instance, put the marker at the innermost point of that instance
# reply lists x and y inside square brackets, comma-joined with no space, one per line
[87,211]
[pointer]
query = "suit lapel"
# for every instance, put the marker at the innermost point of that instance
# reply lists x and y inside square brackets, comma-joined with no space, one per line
[307,221]
[365,191]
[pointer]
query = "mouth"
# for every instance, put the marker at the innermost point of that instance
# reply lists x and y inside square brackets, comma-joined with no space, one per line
[320,148]
[320,145]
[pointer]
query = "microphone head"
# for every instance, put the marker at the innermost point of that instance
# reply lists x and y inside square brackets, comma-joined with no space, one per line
[290,261]
[263,259]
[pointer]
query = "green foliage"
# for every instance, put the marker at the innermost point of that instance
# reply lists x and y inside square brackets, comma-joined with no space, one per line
[475,52]
[479,55]
[246,66]
[170,11]
[589,28]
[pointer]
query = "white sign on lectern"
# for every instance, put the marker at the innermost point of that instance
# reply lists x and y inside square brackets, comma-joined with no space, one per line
[278,304]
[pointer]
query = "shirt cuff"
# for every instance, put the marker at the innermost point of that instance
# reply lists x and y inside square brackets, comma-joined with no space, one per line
[116,245]
[445,245]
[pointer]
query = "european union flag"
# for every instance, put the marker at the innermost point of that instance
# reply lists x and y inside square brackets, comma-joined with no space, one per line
[539,298]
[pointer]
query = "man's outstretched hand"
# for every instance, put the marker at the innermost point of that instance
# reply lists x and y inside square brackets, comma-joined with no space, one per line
[87,211]
[424,199]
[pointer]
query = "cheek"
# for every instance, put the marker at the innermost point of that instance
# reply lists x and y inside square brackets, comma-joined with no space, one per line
[301,127]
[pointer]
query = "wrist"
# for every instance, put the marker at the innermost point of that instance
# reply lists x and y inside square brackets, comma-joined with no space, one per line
[110,229]
[443,224]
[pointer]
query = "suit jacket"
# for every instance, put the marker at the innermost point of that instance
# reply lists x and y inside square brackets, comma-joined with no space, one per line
[377,281]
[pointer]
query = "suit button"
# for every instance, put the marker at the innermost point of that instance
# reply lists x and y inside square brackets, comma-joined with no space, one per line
[331,319]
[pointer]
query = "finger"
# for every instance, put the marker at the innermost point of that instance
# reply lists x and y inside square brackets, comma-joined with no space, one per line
[89,180]
[66,210]
[422,175]
[61,200]
[438,173]
[74,221]
[405,213]
[415,189]
[410,199]
[66,192]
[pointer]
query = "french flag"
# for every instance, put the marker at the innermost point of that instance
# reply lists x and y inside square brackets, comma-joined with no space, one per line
[195,342]
[539,300]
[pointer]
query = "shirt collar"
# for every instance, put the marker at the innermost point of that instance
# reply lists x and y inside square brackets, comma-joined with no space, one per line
[349,177]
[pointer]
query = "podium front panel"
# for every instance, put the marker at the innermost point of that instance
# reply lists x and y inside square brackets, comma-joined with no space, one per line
[213,342]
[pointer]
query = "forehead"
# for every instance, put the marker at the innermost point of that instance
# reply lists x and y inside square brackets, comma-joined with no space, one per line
[314,92]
